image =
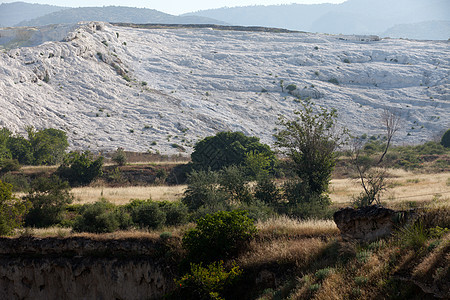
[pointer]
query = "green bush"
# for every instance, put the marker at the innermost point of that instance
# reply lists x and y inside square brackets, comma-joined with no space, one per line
[268,192]
[12,210]
[147,214]
[176,213]
[234,183]
[445,140]
[101,217]
[219,236]
[119,157]
[49,198]
[80,168]
[209,282]
[203,190]
[9,165]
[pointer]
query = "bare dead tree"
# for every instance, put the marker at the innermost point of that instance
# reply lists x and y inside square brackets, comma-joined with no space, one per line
[373,175]
[392,124]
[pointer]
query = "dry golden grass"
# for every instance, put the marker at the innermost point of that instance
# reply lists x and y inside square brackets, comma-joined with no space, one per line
[282,251]
[404,186]
[285,226]
[123,195]
[177,231]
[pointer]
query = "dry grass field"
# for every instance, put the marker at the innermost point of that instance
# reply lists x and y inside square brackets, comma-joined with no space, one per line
[123,195]
[404,186]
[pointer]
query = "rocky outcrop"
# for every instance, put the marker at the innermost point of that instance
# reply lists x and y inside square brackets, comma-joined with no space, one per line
[370,223]
[83,268]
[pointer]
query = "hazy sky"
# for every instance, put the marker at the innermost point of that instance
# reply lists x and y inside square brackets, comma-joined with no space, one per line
[175,6]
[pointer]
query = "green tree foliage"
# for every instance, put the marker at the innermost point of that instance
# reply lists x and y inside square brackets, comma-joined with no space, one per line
[208,282]
[203,190]
[120,157]
[310,141]
[21,149]
[445,141]
[219,236]
[227,148]
[49,198]
[12,210]
[80,168]
[147,214]
[101,217]
[5,153]
[48,145]
[234,183]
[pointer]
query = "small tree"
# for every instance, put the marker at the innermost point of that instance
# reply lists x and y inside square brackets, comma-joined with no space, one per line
[371,172]
[310,141]
[81,168]
[12,210]
[49,198]
[48,145]
[120,157]
[226,149]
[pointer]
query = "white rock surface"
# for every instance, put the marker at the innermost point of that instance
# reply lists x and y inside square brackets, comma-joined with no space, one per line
[200,81]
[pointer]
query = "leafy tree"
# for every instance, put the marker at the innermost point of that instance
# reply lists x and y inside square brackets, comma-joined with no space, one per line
[12,210]
[310,141]
[49,145]
[21,149]
[5,153]
[120,157]
[81,168]
[234,183]
[49,198]
[445,141]
[227,148]
[203,190]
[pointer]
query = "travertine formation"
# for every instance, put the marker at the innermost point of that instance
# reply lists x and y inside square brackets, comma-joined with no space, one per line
[82,268]
[369,223]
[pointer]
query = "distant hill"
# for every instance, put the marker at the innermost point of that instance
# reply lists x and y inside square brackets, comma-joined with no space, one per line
[350,17]
[432,30]
[16,12]
[116,14]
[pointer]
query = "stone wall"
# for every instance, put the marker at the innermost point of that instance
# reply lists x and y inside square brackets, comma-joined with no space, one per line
[83,268]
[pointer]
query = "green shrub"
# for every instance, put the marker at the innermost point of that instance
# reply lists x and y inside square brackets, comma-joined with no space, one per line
[207,282]
[12,210]
[218,236]
[323,273]
[176,213]
[203,190]
[80,168]
[234,183]
[9,165]
[445,140]
[49,198]
[147,214]
[290,88]
[268,192]
[333,81]
[413,236]
[119,157]
[19,182]
[101,217]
